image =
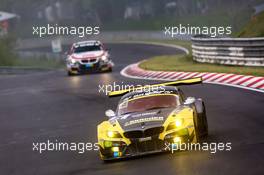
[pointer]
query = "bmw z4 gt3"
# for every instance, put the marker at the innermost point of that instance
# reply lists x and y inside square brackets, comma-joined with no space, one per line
[88,56]
[146,121]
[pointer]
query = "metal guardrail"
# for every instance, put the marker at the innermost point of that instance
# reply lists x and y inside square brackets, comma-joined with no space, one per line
[229,51]
[104,37]
[35,54]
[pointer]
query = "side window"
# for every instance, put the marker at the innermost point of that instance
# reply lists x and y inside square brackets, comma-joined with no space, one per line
[102,47]
[182,96]
[71,50]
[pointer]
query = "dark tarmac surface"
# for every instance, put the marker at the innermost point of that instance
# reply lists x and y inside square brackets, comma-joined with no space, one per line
[52,106]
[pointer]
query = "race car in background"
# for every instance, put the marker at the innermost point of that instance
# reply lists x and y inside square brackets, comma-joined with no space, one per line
[148,119]
[88,56]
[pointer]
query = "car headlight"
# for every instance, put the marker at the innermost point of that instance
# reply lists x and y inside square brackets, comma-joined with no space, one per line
[71,61]
[113,134]
[179,133]
[104,58]
[176,139]
[176,124]
[115,149]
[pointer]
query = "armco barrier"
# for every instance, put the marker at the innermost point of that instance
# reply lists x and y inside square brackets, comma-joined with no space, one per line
[241,81]
[229,51]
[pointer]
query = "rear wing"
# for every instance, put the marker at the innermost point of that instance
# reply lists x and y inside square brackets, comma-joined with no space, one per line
[190,81]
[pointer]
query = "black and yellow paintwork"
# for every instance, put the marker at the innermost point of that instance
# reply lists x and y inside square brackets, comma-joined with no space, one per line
[190,81]
[179,124]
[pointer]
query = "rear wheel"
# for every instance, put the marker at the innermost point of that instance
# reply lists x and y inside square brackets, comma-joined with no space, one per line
[205,124]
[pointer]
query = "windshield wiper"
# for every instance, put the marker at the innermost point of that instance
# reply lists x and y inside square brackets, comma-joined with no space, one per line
[147,109]
[156,107]
[126,113]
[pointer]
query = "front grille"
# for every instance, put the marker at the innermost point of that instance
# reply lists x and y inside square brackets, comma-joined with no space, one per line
[84,61]
[92,60]
[144,133]
[134,134]
[146,146]
[83,68]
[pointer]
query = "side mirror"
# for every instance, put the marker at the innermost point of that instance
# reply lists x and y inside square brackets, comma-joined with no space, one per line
[110,113]
[189,100]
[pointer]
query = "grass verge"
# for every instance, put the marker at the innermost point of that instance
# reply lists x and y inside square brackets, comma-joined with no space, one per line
[183,43]
[254,28]
[32,62]
[8,58]
[40,62]
[185,63]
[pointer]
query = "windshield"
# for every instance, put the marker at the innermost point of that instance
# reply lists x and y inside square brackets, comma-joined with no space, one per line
[87,48]
[148,103]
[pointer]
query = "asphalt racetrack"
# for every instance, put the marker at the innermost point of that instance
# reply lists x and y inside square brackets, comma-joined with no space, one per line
[52,106]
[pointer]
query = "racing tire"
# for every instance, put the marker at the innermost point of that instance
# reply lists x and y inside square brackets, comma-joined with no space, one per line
[70,74]
[200,119]
[110,69]
[205,123]
[102,157]
[196,128]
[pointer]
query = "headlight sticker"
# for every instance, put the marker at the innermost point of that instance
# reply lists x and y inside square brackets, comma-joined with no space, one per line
[123,105]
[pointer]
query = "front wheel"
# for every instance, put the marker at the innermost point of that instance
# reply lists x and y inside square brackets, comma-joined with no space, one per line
[200,120]
[197,134]
[110,69]
[70,73]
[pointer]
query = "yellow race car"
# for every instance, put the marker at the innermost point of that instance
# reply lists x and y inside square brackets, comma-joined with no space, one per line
[150,118]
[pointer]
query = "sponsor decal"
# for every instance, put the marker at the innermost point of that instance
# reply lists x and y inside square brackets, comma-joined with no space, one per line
[148,93]
[123,105]
[142,120]
[143,114]
[124,117]
[144,139]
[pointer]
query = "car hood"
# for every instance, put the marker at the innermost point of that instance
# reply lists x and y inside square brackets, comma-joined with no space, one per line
[144,120]
[86,55]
